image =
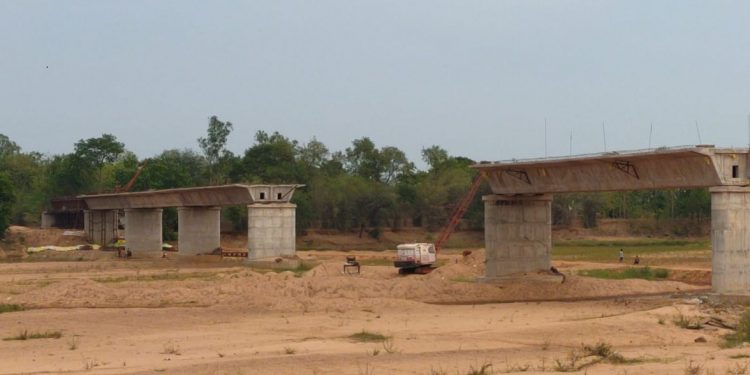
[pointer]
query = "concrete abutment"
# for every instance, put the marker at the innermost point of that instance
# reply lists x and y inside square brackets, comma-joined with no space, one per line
[517,234]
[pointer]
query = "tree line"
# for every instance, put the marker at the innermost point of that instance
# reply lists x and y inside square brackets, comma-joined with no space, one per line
[363,188]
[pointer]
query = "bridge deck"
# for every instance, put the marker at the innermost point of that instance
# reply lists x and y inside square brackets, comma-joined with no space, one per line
[686,167]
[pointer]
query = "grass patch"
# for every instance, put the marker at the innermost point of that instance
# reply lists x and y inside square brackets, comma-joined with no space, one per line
[464,279]
[484,369]
[167,276]
[171,348]
[25,335]
[366,336]
[376,262]
[302,268]
[607,251]
[5,308]
[686,322]
[588,355]
[645,273]
[741,335]
[739,356]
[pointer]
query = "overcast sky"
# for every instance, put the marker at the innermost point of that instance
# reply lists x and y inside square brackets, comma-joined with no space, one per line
[475,77]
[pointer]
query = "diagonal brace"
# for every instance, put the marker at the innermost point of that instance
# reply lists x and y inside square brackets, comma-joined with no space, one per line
[519,174]
[626,167]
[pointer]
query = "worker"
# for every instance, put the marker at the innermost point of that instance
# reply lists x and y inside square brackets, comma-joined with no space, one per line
[622,256]
[637,260]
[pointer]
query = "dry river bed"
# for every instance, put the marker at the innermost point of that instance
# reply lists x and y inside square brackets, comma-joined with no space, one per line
[166,316]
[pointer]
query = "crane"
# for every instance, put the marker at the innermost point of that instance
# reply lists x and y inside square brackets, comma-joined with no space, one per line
[130,183]
[459,212]
[419,257]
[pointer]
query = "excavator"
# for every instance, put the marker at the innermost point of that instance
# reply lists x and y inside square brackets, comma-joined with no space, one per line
[419,257]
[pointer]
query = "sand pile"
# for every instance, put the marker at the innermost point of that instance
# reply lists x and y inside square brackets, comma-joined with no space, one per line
[325,288]
[41,237]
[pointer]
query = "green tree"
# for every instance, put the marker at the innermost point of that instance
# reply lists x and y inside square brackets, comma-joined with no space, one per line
[362,159]
[434,156]
[7,199]
[172,169]
[272,159]
[7,147]
[97,152]
[213,147]
[393,164]
[69,174]
[314,153]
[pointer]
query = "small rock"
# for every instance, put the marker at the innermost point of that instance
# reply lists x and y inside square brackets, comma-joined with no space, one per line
[693,301]
[700,339]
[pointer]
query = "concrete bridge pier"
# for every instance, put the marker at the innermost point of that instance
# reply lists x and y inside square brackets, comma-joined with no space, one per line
[143,235]
[271,230]
[517,234]
[730,239]
[198,230]
[100,226]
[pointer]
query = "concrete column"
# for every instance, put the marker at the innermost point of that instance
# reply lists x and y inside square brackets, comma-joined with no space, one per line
[143,231]
[100,226]
[730,239]
[48,220]
[517,234]
[271,230]
[199,230]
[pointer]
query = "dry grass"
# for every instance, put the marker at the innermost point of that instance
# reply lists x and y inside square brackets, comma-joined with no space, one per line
[25,335]
[366,336]
[5,308]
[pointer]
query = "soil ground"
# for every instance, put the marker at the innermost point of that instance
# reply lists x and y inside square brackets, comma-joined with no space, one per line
[223,317]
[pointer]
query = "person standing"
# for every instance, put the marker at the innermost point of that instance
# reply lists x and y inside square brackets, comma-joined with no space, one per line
[622,256]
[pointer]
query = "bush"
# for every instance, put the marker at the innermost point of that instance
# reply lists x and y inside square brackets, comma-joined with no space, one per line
[742,334]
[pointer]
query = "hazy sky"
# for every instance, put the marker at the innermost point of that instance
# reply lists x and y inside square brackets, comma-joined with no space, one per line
[476,77]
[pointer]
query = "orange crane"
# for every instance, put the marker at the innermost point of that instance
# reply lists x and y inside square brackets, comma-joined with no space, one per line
[459,211]
[419,257]
[130,183]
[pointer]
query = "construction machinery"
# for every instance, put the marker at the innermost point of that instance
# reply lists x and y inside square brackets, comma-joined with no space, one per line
[130,183]
[419,257]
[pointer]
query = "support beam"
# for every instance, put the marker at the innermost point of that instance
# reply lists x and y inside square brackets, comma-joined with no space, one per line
[730,239]
[271,230]
[48,220]
[517,234]
[198,230]
[143,231]
[101,226]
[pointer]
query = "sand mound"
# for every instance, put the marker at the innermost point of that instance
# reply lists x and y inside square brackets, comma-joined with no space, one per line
[41,237]
[325,288]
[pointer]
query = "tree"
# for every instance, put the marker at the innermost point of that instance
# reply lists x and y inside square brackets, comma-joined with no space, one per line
[434,156]
[172,169]
[273,159]
[314,153]
[393,164]
[69,174]
[7,147]
[7,199]
[213,147]
[97,152]
[362,159]
[104,149]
